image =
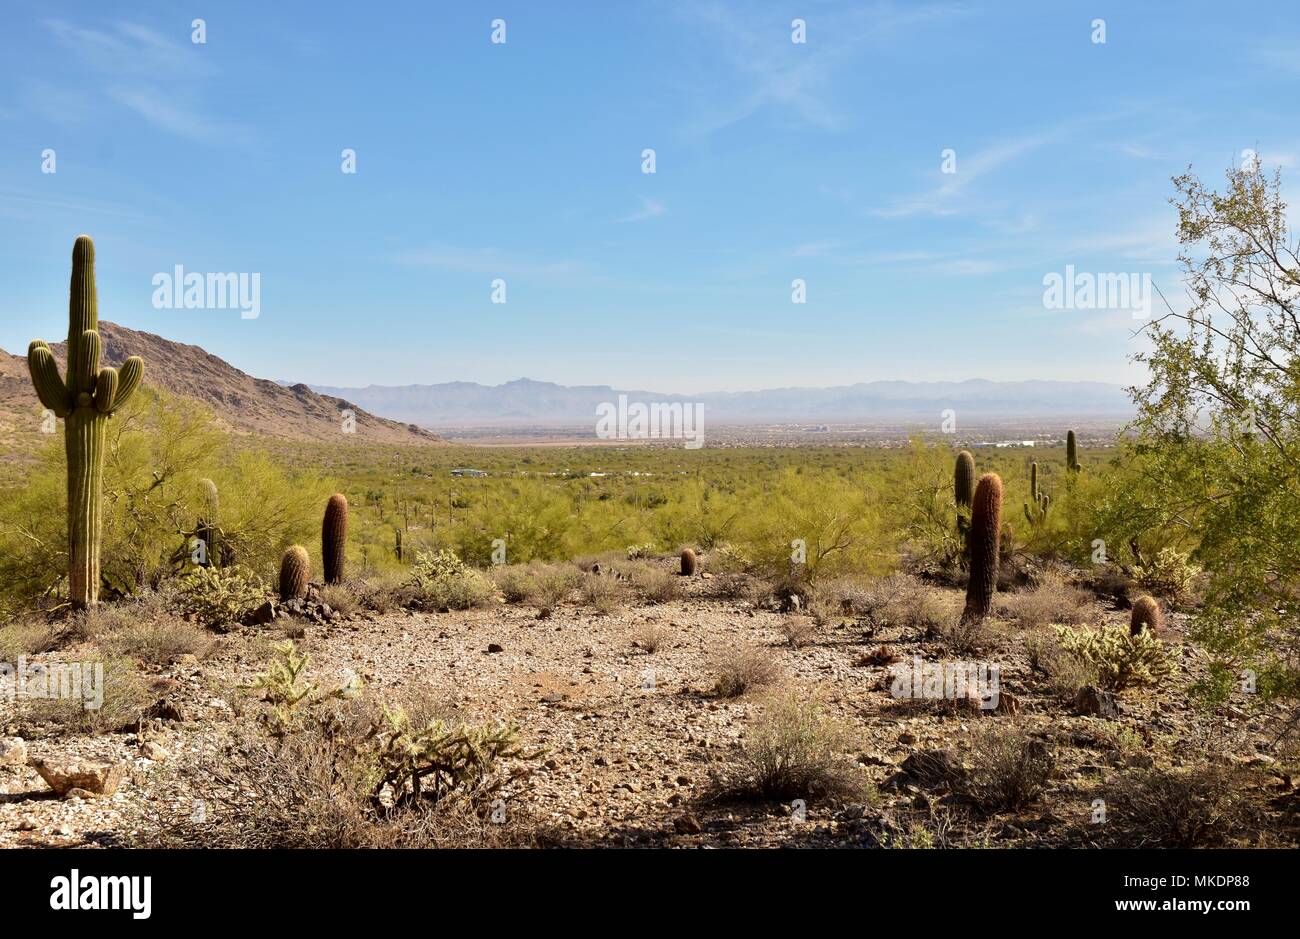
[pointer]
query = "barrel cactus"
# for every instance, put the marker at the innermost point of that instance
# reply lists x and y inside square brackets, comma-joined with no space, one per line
[334,538]
[1146,615]
[688,562]
[295,573]
[985,543]
[207,529]
[85,400]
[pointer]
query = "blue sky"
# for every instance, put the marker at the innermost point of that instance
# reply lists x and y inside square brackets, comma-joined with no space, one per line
[522,160]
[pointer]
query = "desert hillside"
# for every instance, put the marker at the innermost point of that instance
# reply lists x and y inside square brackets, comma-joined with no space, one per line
[242,403]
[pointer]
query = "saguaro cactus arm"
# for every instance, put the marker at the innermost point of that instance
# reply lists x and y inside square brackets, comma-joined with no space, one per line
[45,377]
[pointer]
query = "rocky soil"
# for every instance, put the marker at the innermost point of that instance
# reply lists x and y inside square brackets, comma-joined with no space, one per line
[634,740]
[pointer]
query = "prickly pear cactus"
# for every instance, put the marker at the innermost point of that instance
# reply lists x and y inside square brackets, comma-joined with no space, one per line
[85,400]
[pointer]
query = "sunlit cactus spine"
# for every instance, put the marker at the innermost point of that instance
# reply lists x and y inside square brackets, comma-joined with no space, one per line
[85,400]
[985,543]
[1072,452]
[1146,615]
[295,573]
[688,562]
[334,538]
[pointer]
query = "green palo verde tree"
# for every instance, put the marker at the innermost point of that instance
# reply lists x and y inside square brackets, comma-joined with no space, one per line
[1218,427]
[85,400]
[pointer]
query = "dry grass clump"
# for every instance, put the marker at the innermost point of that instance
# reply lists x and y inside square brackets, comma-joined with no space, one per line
[840,600]
[514,581]
[1065,674]
[1009,770]
[740,670]
[794,749]
[648,637]
[653,584]
[603,594]
[124,700]
[1196,807]
[551,586]
[26,637]
[157,641]
[378,594]
[900,600]
[341,598]
[1054,600]
[798,630]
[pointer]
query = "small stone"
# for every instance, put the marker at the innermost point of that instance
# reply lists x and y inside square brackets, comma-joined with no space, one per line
[13,751]
[907,738]
[27,823]
[154,751]
[78,794]
[493,648]
[688,825]
[263,614]
[1094,700]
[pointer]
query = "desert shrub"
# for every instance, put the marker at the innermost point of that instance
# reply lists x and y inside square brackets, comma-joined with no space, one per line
[514,582]
[1119,659]
[1197,807]
[381,594]
[339,771]
[344,598]
[1052,601]
[30,636]
[156,641]
[124,699]
[962,635]
[218,597]
[727,558]
[552,585]
[1008,770]
[794,750]
[442,581]
[739,670]
[603,594]
[838,600]
[798,631]
[1169,573]
[648,637]
[1066,674]
[653,584]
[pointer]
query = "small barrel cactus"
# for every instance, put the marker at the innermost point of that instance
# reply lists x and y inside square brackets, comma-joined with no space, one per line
[334,538]
[295,573]
[85,400]
[688,562]
[1146,615]
[208,524]
[985,543]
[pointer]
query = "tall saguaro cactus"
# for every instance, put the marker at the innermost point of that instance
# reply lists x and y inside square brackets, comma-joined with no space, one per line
[963,485]
[85,400]
[985,544]
[1072,452]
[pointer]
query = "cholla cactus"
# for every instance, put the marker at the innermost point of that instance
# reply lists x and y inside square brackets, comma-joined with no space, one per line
[85,401]
[1119,658]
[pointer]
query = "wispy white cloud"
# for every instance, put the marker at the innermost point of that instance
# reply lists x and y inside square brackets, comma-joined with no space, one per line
[154,76]
[765,70]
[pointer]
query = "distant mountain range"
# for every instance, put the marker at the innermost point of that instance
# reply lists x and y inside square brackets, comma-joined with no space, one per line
[525,402]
